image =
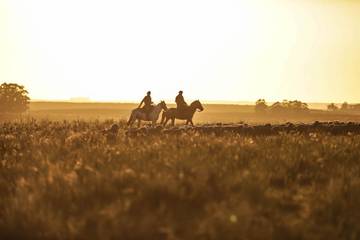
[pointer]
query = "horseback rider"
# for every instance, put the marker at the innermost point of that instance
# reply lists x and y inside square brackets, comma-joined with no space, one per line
[147,104]
[180,102]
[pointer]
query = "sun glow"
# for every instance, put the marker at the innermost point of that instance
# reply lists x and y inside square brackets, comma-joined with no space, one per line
[213,50]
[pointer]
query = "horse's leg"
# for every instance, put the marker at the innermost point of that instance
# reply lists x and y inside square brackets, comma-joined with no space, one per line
[130,121]
[192,124]
[173,121]
[166,121]
[162,118]
[187,121]
[139,122]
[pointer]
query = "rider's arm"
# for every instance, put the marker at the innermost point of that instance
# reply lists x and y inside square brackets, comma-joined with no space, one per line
[141,102]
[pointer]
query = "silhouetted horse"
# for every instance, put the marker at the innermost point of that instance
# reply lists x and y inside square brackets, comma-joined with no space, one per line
[186,114]
[139,114]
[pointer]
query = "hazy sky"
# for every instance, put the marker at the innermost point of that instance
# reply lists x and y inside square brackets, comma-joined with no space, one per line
[213,50]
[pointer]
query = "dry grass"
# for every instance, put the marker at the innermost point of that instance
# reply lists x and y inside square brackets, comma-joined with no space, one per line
[70,180]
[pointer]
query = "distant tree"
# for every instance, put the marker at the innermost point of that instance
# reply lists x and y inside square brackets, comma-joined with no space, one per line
[299,106]
[289,107]
[286,104]
[304,106]
[277,107]
[345,106]
[332,107]
[13,98]
[261,106]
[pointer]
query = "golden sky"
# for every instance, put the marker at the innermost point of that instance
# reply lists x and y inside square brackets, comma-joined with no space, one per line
[213,50]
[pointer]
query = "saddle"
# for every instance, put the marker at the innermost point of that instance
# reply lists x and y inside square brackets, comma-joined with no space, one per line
[147,110]
[181,111]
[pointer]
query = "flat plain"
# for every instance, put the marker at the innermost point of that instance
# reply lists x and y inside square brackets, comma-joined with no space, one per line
[67,175]
[214,113]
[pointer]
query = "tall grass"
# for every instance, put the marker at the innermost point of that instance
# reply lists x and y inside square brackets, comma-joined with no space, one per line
[69,180]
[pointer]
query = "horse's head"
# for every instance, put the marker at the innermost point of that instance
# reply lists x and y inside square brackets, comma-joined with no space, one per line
[197,105]
[163,105]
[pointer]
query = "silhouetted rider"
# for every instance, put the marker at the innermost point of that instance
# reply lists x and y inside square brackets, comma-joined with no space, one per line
[147,104]
[180,102]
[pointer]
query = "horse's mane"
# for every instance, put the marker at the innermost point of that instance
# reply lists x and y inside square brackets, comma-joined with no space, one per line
[194,102]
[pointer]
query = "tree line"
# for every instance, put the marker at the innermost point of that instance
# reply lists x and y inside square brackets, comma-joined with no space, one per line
[343,107]
[295,106]
[286,106]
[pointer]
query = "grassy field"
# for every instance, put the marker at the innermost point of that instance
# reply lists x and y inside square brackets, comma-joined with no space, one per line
[213,113]
[72,180]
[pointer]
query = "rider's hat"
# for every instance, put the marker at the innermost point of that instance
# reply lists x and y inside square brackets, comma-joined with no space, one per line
[180,92]
[148,92]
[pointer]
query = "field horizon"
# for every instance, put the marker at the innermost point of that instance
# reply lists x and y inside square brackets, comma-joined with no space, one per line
[225,113]
[312,105]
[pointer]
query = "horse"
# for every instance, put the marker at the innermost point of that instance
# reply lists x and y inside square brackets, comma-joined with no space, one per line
[139,114]
[187,114]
